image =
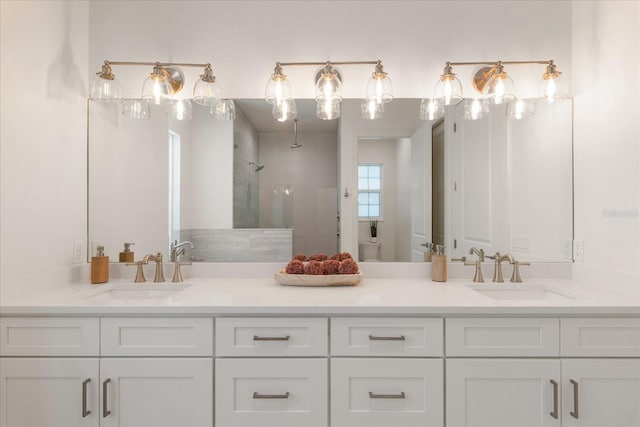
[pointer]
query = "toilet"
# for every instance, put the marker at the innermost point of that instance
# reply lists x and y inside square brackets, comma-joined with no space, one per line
[369,251]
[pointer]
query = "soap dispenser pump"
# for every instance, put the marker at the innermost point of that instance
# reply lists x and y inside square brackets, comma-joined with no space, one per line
[439,265]
[99,267]
[126,255]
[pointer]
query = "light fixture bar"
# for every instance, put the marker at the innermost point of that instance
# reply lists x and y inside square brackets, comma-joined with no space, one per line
[502,62]
[286,64]
[162,64]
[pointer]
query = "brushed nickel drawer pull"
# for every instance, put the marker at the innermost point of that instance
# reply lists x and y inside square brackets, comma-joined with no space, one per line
[575,413]
[258,338]
[387,396]
[554,413]
[105,389]
[376,338]
[85,412]
[257,395]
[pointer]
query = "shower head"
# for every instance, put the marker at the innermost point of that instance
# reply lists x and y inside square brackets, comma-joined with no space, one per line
[295,135]
[258,167]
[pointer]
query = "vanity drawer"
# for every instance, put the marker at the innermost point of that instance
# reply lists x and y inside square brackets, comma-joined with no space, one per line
[49,336]
[410,337]
[601,337]
[271,392]
[509,337]
[281,337]
[143,336]
[386,392]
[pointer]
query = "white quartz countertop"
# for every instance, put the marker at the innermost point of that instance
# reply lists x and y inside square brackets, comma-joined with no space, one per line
[373,296]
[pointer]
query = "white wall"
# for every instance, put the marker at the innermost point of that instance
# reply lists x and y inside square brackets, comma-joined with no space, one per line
[606,134]
[43,81]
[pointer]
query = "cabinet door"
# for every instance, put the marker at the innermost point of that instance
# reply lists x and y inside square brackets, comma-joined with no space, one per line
[48,392]
[601,393]
[157,392]
[502,393]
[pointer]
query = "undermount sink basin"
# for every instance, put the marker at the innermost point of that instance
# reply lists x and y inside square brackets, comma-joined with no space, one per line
[520,291]
[135,291]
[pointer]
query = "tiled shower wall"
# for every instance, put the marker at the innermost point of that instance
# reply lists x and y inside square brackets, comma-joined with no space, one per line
[245,179]
[240,245]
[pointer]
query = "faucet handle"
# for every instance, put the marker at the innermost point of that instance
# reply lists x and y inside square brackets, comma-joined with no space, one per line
[494,257]
[477,276]
[139,272]
[177,274]
[462,259]
[515,276]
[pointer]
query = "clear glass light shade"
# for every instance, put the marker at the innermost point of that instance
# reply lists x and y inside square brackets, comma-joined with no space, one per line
[448,90]
[105,90]
[520,108]
[136,109]
[329,88]
[501,89]
[206,93]
[155,89]
[553,88]
[278,89]
[181,109]
[431,109]
[224,109]
[327,110]
[475,109]
[371,109]
[380,89]
[284,111]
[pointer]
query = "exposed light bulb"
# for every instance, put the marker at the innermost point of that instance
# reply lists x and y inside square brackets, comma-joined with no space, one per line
[379,91]
[550,90]
[157,91]
[499,91]
[476,109]
[372,108]
[284,111]
[447,91]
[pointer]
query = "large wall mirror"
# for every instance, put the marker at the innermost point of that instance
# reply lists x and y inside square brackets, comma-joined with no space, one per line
[253,189]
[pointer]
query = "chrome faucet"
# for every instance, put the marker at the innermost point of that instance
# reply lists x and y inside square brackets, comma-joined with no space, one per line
[158,260]
[477,277]
[178,249]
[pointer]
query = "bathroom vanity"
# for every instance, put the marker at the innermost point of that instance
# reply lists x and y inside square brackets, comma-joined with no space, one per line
[388,352]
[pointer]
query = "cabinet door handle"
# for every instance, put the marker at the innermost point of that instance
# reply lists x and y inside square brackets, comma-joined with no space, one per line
[387,396]
[105,400]
[376,338]
[258,338]
[257,395]
[85,412]
[554,413]
[575,414]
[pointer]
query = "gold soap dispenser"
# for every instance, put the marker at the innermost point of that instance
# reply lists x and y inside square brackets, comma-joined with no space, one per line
[99,267]
[439,265]
[126,255]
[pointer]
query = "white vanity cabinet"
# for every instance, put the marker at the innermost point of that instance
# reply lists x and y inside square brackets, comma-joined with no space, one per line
[272,372]
[387,372]
[554,381]
[134,380]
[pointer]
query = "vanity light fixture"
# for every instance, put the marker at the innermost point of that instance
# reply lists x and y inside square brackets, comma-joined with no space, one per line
[492,81]
[165,81]
[328,90]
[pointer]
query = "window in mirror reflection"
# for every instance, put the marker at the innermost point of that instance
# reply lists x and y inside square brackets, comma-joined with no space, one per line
[369,190]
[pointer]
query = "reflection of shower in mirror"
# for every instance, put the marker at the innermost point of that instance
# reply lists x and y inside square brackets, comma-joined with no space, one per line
[258,167]
[295,135]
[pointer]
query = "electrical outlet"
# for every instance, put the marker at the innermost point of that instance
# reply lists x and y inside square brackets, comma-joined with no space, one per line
[78,256]
[578,250]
